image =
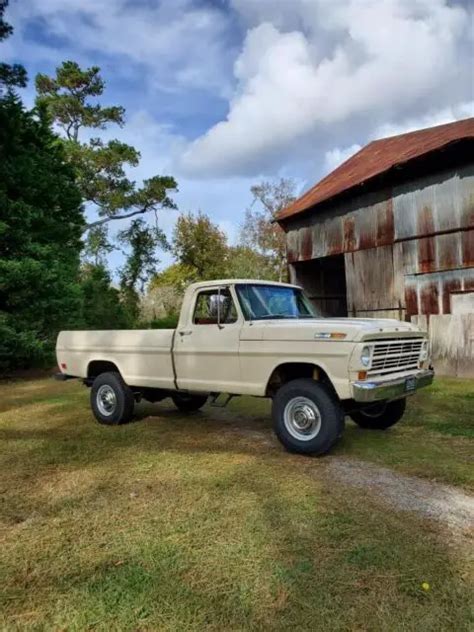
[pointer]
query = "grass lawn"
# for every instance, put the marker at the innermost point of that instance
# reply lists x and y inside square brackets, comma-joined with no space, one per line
[206,523]
[435,439]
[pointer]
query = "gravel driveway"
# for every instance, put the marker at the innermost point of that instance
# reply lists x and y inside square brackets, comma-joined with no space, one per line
[443,503]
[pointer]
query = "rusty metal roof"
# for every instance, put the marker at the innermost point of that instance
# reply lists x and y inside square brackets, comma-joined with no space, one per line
[377,158]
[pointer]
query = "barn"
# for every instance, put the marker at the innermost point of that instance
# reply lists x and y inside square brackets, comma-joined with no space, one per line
[390,233]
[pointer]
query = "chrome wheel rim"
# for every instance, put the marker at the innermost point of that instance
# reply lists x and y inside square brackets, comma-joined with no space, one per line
[302,418]
[106,400]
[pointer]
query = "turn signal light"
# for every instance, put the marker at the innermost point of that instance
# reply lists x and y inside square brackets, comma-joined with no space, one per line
[326,335]
[63,365]
[362,375]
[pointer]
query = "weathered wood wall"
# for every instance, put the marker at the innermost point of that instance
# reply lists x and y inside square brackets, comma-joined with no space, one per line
[452,342]
[406,249]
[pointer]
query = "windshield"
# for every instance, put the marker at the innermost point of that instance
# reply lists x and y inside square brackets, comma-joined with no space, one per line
[260,302]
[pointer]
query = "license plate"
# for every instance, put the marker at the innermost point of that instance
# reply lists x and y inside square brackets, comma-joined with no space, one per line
[410,384]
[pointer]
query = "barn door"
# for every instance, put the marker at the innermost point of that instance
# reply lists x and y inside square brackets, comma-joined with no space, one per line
[372,290]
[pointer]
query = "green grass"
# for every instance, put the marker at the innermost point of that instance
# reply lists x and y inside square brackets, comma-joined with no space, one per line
[434,440]
[195,523]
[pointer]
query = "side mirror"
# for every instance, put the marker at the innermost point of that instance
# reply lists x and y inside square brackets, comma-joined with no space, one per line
[220,302]
[216,304]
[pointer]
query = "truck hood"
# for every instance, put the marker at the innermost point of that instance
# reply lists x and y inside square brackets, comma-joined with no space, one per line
[355,329]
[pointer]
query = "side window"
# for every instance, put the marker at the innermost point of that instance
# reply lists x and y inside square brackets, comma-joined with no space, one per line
[213,308]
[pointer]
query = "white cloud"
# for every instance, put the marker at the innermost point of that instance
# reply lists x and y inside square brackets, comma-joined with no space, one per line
[430,119]
[159,145]
[307,66]
[336,156]
[223,200]
[310,81]
[181,44]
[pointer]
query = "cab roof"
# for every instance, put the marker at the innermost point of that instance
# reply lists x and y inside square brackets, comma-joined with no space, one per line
[215,282]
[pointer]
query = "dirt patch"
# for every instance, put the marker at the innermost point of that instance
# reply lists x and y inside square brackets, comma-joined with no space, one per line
[256,435]
[443,503]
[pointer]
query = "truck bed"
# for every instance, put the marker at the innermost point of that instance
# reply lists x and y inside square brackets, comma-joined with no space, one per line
[143,356]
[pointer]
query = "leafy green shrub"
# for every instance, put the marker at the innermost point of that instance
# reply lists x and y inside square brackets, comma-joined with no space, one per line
[103,307]
[167,322]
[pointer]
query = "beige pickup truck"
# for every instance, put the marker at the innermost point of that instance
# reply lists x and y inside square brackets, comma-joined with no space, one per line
[245,337]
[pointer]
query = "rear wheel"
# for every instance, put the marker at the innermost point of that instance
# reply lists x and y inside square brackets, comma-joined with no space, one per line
[307,417]
[112,401]
[381,415]
[188,403]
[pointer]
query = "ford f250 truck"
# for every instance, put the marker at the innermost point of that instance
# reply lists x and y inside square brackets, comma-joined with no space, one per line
[245,337]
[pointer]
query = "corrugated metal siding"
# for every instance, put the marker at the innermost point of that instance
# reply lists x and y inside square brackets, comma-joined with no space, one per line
[439,252]
[405,252]
[436,206]
[431,293]
[393,245]
[368,227]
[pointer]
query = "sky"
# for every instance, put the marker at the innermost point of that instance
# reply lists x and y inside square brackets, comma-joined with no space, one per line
[223,94]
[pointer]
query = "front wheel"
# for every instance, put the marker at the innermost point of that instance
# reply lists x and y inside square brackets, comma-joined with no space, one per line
[188,403]
[380,416]
[307,417]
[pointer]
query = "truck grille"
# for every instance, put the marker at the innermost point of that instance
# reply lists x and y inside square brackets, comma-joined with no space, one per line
[391,356]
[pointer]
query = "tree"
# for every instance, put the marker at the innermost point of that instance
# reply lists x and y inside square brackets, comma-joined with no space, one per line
[142,261]
[245,263]
[97,245]
[103,308]
[11,75]
[165,291]
[259,232]
[100,166]
[177,275]
[201,246]
[41,222]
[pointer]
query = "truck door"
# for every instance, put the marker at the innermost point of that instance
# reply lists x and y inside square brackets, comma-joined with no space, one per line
[206,350]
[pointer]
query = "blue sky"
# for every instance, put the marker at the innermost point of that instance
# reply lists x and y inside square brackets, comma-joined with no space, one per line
[224,93]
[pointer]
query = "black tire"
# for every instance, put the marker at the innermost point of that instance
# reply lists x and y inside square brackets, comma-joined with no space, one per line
[325,416]
[380,416]
[118,408]
[188,403]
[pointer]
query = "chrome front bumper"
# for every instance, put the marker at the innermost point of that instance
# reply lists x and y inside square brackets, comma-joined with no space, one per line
[372,391]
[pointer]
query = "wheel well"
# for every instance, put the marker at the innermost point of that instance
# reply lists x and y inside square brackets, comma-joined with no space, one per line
[293,370]
[96,367]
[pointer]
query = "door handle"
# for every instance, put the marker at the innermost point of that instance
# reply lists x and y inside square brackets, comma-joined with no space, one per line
[185,332]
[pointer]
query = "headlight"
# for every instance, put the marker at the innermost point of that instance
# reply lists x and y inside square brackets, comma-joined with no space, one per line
[425,351]
[365,356]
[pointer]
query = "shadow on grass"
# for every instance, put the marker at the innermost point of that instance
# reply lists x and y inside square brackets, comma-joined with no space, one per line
[66,434]
[60,431]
